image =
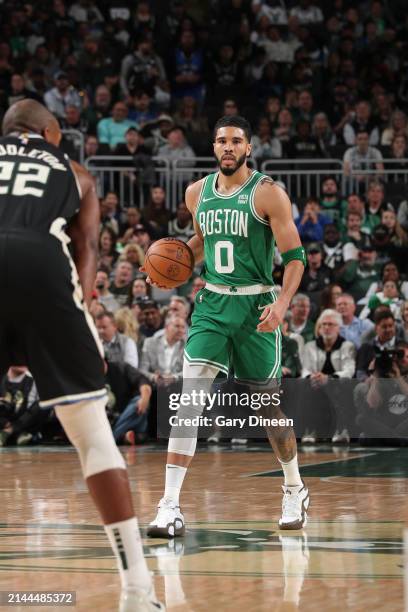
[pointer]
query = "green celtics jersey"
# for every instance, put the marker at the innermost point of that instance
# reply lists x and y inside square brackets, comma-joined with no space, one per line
[238,243]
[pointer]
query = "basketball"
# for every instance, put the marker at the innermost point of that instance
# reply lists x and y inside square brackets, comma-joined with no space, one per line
[169,262]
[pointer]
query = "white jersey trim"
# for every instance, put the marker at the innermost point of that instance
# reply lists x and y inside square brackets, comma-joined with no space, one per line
[73,399]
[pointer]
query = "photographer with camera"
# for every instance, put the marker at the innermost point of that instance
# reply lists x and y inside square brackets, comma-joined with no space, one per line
[382,400]
[385,338]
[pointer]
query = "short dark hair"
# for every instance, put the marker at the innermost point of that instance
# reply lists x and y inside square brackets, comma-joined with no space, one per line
[234,121]
[382,315]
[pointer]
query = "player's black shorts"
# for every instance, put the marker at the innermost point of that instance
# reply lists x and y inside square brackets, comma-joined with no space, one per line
[42,322]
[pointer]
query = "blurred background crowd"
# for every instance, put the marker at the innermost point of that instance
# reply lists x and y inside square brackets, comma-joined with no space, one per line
[137,87]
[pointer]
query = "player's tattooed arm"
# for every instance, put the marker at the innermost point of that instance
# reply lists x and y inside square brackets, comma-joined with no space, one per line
[196,243]
[84,232]
[273,204]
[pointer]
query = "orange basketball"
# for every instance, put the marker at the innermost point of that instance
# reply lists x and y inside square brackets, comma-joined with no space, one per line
[169,262]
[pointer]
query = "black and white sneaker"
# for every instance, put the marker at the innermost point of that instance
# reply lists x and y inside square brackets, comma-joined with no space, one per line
[169,522]
[294,507]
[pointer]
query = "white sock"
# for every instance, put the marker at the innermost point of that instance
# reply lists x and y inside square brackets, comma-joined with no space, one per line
[124,538]
[174,481]
[291,472]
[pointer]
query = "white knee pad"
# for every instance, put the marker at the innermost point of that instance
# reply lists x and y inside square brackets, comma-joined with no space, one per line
[88,429]
[195,377]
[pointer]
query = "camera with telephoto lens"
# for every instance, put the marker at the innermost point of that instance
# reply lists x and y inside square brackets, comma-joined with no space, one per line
[384,360]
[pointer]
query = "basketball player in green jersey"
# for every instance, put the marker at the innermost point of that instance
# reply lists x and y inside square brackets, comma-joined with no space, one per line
[238,216]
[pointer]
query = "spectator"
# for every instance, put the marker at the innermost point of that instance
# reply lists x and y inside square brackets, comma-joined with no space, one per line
[19,90]
[224,74]
[285,129]
[109,212]
[300,322]
[330,201]
[311,222]
[133,217]
[274,10]
[389,272]
[307,13]
[397,159]
[61,96]
[181,226]
[21,417]
[108,254]
[112,131]
[188,66]
[142,69]
[264,145]
[138,289]
[132,393]
[323,133]
[330,356]
[142,110]
[157,137]
[276,49]
[389,296]
[163,353]
[142,236]
[101,107]
[404,320]
[353,204]
[303,145]
[156,211]
[329,296]
[128,325]
[177,150]
[357,275]
[86,11]
[333,248]
[354,236]
[352,327]
[361,158]
[104,296]
[118,347]
[398,236]
[189,118]
[361,122]
[143,176]
[152,320]
[317,275]
[304,110]
[122,281]
[375,205]
[385,338]
[134,254]
[179,306]
[398,127]
[93,147]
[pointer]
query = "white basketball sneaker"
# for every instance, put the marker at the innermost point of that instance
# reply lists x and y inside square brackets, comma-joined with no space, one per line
[169,522]
[294,507]
[139,601]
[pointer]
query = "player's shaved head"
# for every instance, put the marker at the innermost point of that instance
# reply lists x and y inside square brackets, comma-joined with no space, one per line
[31,116]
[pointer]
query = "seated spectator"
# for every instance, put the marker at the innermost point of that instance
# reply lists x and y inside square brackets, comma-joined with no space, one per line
[404,320]
[134,254]
[121,281]
[398,236]
[352,327]
[329,296]
[163,353]
[389,272]
[381,400]
[61,96]
[118,347]
[358,274]
[354,236]
[362,123]
[152,319]
[353,204]
[264,146]
[376,204]
[142,177]
[285,128]
[322,131]
[360,158]
[224,74]
[274,10]
[304,110]
[276,49]
[188,68]
[128,325]
[397,159]
[300,322]
[86,12]
[21,417]
[303,145]
[133,217]
[307,13]
[181,226]
[93,147]
[112,130]
[403,215]
[156,134]
[385,338]
[189,118]
[398,127]
[143,69]
[311,222]
[177,149]
[142,110]
[156,211]
[109,212]
[139,289]
[316,275]
[108,255]
[19,90]
[389,296]
[100,108]
[103,295]
[132,393]
[330,356]
[330,201]
[142,236]
[291,365]
[333,248]
[179,306]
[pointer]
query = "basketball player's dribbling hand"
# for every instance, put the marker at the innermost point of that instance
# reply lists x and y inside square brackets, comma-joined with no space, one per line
[149,280]
[271,317]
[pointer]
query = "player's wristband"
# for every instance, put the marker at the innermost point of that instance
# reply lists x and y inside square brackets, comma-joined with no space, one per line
[296,253]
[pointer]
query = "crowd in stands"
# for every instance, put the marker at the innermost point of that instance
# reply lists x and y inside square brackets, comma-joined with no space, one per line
[316,80]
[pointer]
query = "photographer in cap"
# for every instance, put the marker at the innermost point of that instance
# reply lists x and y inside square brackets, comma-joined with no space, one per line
[382,400]
[385,339]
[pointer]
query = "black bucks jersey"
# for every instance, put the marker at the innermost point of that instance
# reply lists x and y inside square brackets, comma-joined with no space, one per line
[44,323]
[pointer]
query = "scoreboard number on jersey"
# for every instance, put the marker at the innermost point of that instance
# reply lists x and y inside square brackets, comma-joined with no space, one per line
[224,256]
[17,181]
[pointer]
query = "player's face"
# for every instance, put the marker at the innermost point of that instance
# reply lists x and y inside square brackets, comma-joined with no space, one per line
[231,148]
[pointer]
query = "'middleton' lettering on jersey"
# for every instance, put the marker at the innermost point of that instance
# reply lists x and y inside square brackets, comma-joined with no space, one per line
[224,221]
[45,156]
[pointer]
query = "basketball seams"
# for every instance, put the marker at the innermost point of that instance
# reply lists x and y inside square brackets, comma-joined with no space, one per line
[179,263]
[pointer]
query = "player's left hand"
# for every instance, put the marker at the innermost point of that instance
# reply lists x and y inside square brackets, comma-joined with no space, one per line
[271,317]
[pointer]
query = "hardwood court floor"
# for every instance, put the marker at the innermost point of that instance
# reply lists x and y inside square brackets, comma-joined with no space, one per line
[349,557]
